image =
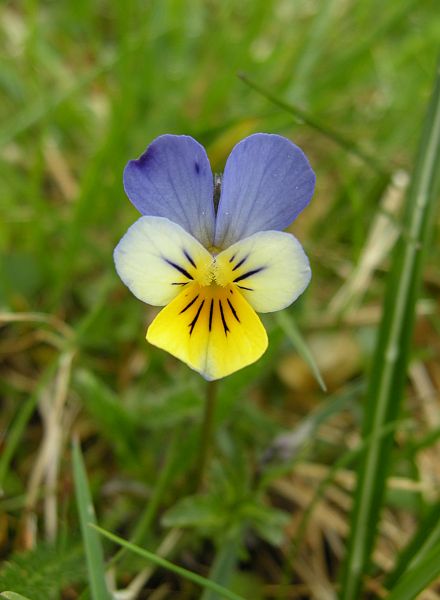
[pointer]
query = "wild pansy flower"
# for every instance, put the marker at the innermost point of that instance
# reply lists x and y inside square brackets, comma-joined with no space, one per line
[213,268]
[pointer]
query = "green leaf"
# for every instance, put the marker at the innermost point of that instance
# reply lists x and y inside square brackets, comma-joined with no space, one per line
[92,542]
[387,379]
[171,406]
[13,596]
[201,511]
[180,571]
[269,523]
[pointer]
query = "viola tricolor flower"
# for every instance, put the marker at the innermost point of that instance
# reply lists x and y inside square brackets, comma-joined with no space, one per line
[213,268]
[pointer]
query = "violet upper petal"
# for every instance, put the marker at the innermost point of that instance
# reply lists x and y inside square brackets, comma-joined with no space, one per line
[266,183]
[173,179]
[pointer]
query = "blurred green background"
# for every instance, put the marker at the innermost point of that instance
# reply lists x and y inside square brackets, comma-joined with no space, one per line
[86,86]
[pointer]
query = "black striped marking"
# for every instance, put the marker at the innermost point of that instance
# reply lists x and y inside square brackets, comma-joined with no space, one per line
[179,268]
[238,265]
[234,312]
[188,305]
[248,274]
[196,318]
[211,312]
[225,325]
[188,257]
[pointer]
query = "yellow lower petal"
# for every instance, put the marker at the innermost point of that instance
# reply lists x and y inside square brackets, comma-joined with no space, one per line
[212,329]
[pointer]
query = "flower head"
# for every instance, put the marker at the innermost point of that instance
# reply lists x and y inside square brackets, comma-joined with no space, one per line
[213,270]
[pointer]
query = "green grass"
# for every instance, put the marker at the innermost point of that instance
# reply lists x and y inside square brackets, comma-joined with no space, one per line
[92,542]
[391,356]
[85,86]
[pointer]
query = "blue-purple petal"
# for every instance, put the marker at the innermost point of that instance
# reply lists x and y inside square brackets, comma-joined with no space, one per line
[267,182]
[173,179]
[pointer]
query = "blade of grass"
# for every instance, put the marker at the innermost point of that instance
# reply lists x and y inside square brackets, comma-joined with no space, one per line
[288,325]
[13,596]
[166,564]
[425,538]
[329,133]
[92,542]
[387,379]
[417,579]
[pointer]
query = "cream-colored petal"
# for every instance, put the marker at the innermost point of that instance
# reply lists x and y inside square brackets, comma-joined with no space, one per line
[157,258]
[270,269]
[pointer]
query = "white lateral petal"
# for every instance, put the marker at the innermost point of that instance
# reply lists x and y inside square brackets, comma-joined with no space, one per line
[270,268]
[157,258]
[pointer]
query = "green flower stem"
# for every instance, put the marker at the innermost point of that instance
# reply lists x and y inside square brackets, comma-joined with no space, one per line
[206,434]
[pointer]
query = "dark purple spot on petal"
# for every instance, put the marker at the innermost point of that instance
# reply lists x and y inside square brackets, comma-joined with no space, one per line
[197,167]
[145,158]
